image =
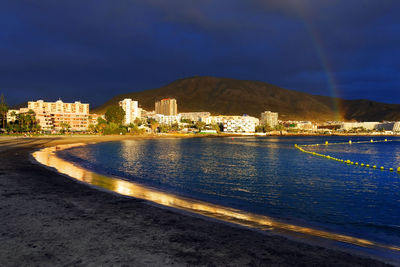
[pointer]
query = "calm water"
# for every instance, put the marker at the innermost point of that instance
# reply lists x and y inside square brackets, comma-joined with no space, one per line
[267,176]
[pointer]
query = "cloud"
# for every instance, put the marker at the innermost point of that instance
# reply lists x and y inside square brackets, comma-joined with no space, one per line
[122,45]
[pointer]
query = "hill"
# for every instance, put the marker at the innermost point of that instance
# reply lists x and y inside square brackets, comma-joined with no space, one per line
[236,97]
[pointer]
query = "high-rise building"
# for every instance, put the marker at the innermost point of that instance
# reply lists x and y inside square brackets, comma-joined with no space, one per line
[132,110]
[167,106]
[269,118]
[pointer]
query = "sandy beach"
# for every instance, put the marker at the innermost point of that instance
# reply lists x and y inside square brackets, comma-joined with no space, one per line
[50,220]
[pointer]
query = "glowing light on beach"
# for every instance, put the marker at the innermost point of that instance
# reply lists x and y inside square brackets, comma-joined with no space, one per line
[48,158]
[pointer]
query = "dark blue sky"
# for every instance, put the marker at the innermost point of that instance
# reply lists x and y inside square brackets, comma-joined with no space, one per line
[94,49]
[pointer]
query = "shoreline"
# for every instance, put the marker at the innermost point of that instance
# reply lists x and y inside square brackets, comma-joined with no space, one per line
[185,135]
[323,255]
[47,157]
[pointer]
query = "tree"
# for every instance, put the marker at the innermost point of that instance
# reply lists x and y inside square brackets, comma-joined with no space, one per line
[216,127]
[259,129]
[92,128]
[115,114]
[268,128]
[200,125]
[175,126]
[64,127]
[138,121]
[3,110]
[101,125]
[31,119]
[153,125]
[279,127]
[164,128]
[187,121]
[134,129]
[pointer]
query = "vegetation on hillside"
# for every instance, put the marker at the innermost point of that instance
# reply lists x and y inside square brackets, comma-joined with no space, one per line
[237,97]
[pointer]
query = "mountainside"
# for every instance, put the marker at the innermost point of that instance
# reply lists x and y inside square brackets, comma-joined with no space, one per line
[236,97]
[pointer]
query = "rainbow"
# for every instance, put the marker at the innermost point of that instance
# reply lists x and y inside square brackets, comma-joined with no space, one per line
[334,93]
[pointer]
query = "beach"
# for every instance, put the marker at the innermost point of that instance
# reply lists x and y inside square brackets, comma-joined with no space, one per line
[51,220]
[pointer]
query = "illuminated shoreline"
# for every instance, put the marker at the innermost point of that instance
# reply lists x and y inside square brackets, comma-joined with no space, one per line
[48,157]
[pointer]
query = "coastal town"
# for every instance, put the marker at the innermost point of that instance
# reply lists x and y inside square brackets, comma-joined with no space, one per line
[128,117]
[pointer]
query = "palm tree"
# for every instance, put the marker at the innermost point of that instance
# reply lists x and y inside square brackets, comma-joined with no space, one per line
[3,110]
[31,119]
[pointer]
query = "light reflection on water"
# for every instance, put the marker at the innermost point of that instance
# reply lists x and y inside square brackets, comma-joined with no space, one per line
[48,158]
[265,176]
[270,178]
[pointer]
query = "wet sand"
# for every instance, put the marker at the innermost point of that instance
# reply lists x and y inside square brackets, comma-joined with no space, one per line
[50,220]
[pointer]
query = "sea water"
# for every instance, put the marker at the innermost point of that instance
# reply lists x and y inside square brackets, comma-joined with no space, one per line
[268,176]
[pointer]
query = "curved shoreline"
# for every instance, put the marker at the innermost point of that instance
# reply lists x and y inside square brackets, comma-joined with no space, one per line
[48,157]
[51,220]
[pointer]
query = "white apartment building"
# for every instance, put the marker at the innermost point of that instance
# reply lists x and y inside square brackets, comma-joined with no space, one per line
[269,118]
[240,124]
[369,125]
[54,114]
[303,125]
[194,116]
[132,110]
[167,119]
[58,107]
[10,115]
[233,124]
[215,119]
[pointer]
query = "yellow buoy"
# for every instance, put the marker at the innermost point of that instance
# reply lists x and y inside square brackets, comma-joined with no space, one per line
[350,142]
[374,166]
[326,143]
[382,168]
[398,169]
[356,163]
[385,140]
[372,141]
[367,165]
[362,164]
[391,169]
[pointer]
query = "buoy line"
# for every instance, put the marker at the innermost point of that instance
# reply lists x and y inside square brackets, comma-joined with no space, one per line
[348,162]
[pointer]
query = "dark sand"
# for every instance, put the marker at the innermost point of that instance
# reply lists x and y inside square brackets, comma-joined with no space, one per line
[50,220]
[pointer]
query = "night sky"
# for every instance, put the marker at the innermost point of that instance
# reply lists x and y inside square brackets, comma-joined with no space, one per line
[91,50]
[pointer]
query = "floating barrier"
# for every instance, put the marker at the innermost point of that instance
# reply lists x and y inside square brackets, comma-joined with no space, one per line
[348,162]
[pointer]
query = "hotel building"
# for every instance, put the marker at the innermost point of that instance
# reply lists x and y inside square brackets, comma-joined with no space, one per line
[54,115]
[132,110]
[240,124]
[234,124]
[269,118]
[194,116]
[167,111]
[163,119]
[167,106]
